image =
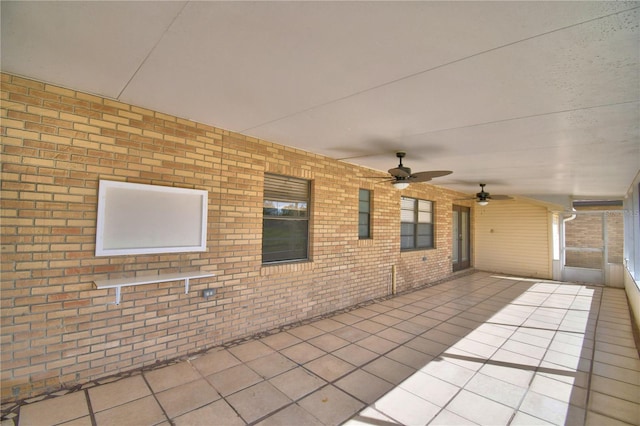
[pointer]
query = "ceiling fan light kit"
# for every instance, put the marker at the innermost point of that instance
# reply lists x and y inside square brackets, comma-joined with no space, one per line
[400,185]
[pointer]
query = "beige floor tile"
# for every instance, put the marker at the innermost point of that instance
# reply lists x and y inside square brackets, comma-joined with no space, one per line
[387,320]
[456,330]
[281,340]
[258,401]
[213,362]
[356,355]
[479,409]
[447,418]
[351,334]
[551,410]
[596,419]
[632,363]
[306,332]
[293,415]
[54,410]
[389,370]
[251,350]
[297,383]
[514,359]
[616,349]
[486,338]
[615,388]
[218,412]
[302,352]
[330,405]
[409,357]
[363,313]
[145,411]
[328,325]
[377,344]
[370,326]
[524,349]
[449,372]
[328,342]
[411,327]
[346,318]
[82,421]
[369,416]
[271,365]
[364,386]
[233,379]
[117,393]
[184,398]
[496,390]
[329,367]
[171,376]
[395,335]
[524,419]
[515,376]
[427,346]
[463,359]
[616,408]
[406,408]
[430,388]
[426,322]
[561,391]
[441,337]
[475,348]
[616,373]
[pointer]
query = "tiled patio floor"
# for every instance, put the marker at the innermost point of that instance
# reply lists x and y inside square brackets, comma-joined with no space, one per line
[479,349]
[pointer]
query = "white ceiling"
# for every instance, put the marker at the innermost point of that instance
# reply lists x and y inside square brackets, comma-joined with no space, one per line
[533,98]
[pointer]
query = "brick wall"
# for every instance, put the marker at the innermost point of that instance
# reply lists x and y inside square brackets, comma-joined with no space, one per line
[57,330]
[586,231]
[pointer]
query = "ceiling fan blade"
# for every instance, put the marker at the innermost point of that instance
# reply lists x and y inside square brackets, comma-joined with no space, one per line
[501,197]
[426,176]
[399,172]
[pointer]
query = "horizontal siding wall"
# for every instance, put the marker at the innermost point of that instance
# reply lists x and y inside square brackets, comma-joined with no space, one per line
[513,237]
[58,330]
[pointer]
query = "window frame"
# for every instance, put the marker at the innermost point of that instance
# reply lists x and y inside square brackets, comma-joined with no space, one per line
[276,191]
[416,210]
[361,212]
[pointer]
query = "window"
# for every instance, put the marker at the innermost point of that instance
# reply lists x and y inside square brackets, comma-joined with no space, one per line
[416,227]
[285,219]
[364,214]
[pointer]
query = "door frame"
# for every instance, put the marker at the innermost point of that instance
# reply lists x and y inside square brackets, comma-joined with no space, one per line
[461,263]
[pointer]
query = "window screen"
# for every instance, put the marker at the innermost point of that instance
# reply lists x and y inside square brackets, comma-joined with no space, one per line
[285,223]
[416,224]
[364,214]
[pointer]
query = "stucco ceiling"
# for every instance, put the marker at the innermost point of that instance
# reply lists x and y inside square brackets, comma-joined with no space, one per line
[533,98]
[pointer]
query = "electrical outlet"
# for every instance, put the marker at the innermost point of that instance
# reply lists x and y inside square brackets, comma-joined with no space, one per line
[209,292]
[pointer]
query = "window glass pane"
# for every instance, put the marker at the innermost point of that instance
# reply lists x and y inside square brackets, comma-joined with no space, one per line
[285,218]
[364,210]
[424,206]
[425,241]
[284,209]
[284,240]
[408,203]
[363,225]
[407,216]
[406,242]
[424,217]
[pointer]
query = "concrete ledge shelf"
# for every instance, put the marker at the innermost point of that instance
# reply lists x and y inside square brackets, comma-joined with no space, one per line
[118,283]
